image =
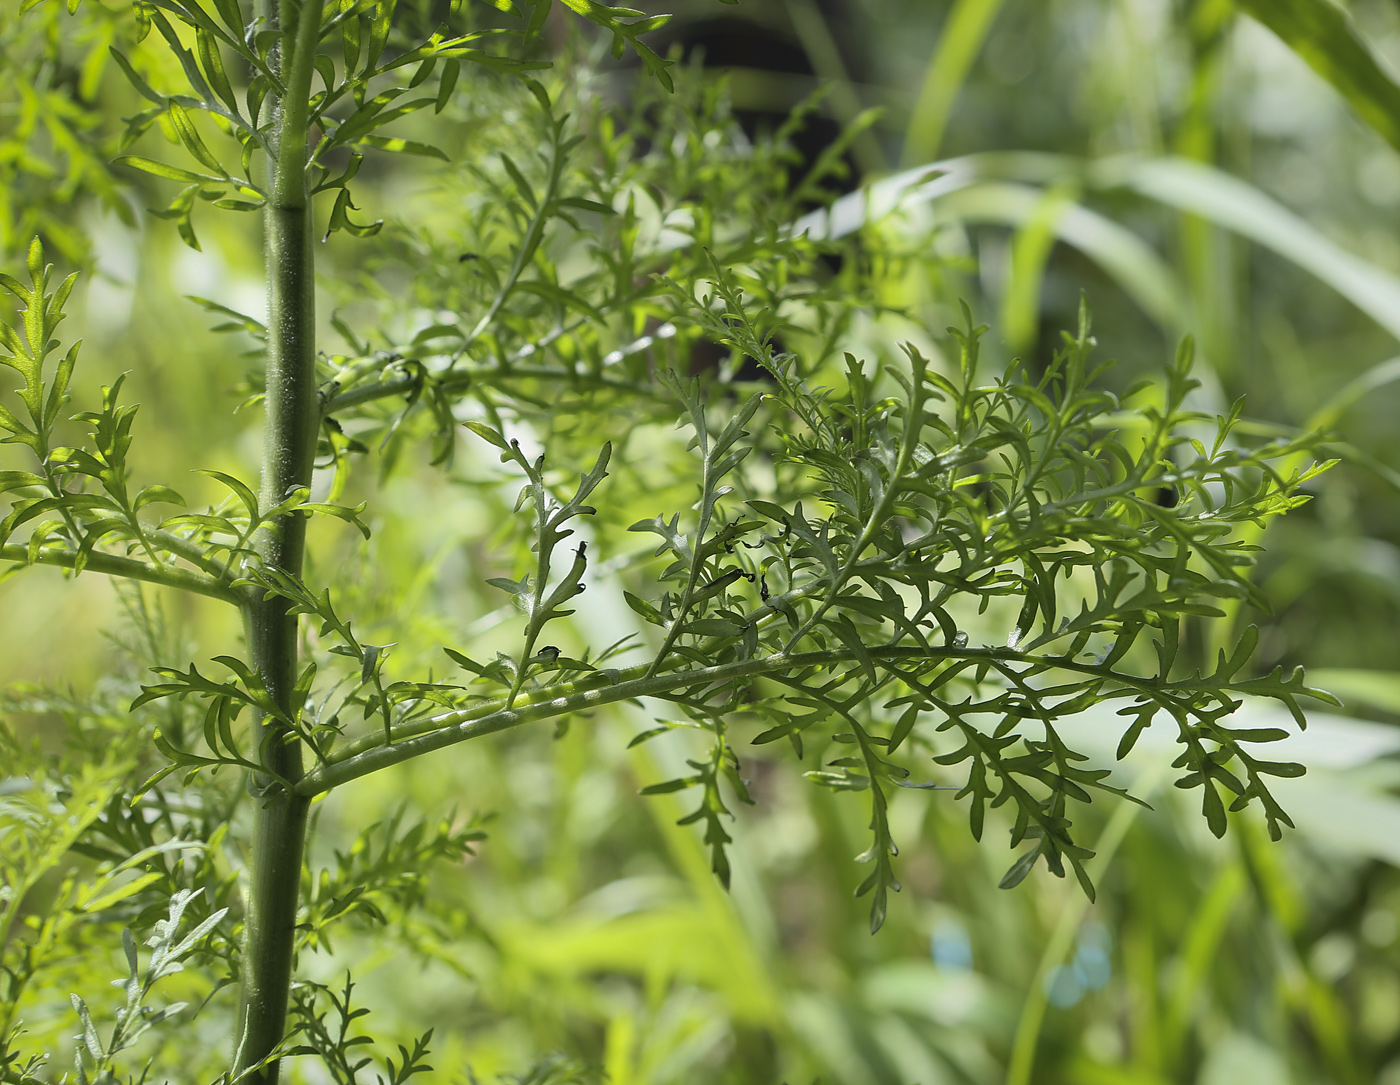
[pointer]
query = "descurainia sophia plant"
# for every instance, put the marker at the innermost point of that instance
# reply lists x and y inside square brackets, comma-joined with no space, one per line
[854,518]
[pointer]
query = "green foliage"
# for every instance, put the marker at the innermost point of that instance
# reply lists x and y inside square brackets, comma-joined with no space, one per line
[135,1018]
[918,568]
[335,1049]
[1322,35]
[56,143]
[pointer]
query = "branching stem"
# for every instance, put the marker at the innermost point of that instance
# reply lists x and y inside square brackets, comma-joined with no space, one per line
[913,429]
[371,754]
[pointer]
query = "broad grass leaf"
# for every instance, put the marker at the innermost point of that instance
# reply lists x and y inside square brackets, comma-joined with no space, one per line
[1322,34]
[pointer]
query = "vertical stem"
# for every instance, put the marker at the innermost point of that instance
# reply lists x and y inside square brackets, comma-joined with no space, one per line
[289,441]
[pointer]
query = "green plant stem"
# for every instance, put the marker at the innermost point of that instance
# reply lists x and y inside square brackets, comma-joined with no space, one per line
[371,754]
[289,441]
[533,236]
[279,833]
[112,565]
[195,555]
[458,380]
[506,368]
[912,433]
[708,484]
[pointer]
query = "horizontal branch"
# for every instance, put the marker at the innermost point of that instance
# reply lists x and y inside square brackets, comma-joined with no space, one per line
[169,576]
[187,549]
[371,754]
[459,380]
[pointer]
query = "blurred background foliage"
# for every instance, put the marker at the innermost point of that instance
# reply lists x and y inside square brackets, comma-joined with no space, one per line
[1172,160]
